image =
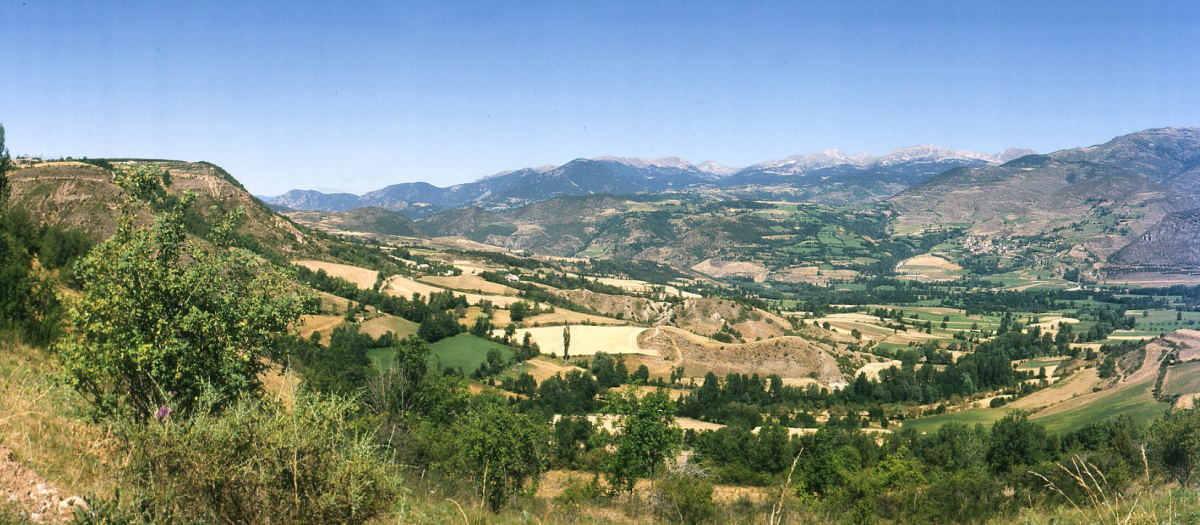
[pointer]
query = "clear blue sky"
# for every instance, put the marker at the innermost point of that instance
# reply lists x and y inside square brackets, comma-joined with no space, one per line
[332,95]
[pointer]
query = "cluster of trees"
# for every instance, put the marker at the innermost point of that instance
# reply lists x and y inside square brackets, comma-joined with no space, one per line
[415,309]
[27,300]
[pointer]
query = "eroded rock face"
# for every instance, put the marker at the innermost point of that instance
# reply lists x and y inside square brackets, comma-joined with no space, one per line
[35,499]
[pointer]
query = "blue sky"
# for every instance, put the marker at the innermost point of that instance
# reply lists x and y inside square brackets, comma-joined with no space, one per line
[355,96]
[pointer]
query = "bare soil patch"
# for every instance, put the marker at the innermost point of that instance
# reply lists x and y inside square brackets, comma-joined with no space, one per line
[790,357]
[1189,342]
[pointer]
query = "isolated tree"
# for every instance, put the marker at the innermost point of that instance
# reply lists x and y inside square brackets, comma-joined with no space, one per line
[1016,441]
[1175,441]
[505,452]
[5,165]
[566,342]
[518,311]
[647,436]
[162,319]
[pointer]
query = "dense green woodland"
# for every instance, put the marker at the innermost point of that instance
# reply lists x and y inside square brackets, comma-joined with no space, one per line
[168,333]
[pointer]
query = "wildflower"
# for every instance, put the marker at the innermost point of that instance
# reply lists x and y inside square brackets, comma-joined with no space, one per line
[163,412]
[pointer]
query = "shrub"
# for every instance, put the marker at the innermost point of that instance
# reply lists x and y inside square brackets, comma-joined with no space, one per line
[161,320]
[505,451]
[687,499]
[258,462]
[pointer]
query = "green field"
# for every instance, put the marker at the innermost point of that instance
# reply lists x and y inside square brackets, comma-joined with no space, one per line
[1135,402]
[929,425]
[465,351]
[1184,379]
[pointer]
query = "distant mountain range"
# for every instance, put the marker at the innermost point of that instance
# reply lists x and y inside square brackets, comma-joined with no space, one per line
[1131,203]
[1130,200]
[830,177]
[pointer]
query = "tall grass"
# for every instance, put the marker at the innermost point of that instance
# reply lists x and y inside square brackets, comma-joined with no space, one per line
[45,423]
[1097,501]
[257,462]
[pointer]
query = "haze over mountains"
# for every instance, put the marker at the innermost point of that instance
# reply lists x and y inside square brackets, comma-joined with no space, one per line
[1129,203]
[830,177]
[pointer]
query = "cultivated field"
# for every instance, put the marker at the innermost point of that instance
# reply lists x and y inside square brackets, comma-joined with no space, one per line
[324,324]
[469,283]
[872,370]
[586,340]
[405,287]
[1183,379]
[361,277]
[543,368]
[929,267]
[387,323]
[465,351]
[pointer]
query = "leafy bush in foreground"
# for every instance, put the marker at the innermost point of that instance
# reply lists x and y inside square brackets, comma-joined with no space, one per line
[258,462]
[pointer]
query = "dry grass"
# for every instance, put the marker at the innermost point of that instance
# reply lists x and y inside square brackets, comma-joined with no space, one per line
[1078,384]
[43,424]
[790,357]
[1100,503]
[543,368]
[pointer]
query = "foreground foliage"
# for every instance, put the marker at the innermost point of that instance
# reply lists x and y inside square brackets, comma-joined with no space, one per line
[162,319]
[256,462]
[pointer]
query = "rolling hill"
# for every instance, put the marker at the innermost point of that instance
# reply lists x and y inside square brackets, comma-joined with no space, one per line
[85,197]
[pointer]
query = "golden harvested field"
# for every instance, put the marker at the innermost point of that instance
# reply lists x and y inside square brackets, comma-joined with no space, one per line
[872,370]
[405,287]
[387,323]
[688,423]
[543,368]
[562,315]
[361,277]
[1080,383]
[928,267]
[586,340]
[467,282]
[319,323]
